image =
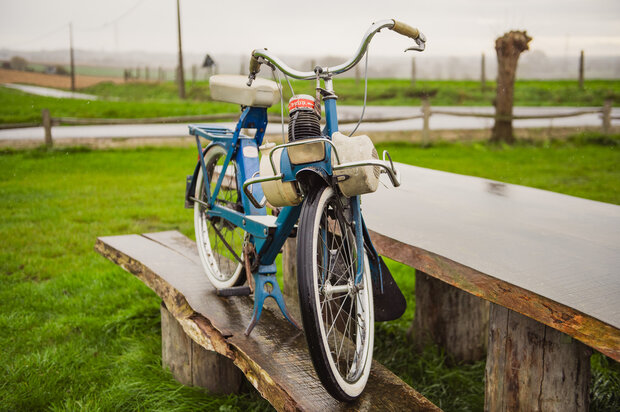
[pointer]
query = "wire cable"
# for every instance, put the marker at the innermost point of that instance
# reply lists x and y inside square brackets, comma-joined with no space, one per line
[274,73]
[365,94]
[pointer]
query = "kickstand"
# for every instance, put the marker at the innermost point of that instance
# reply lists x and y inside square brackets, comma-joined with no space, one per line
[267,286]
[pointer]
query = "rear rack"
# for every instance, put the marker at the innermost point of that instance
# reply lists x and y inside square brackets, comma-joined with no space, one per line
[387,166]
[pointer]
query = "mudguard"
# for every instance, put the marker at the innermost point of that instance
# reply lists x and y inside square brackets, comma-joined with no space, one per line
[389,302]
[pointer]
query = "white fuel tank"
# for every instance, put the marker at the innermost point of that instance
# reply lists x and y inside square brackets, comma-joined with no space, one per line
[356,180]
[277,192]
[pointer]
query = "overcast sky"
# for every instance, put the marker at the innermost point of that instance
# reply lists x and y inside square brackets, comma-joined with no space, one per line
[453,28]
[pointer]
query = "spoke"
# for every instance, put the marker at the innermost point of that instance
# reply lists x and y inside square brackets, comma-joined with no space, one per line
[230,249]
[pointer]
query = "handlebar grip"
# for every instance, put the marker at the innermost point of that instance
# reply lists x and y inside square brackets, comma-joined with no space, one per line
[406,30]
[254,65]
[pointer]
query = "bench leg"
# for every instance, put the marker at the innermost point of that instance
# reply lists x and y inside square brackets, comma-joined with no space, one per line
[533,367]
[455,320]
[193,365]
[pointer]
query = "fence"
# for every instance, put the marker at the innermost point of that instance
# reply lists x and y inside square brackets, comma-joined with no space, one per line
[47,121]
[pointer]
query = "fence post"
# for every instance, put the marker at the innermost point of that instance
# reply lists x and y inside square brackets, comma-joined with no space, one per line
[426,112]
[46,119]
[581,70]
[607,116]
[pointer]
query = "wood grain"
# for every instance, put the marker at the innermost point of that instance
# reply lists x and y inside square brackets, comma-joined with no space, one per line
[274,357]
[532,367]
[551,257]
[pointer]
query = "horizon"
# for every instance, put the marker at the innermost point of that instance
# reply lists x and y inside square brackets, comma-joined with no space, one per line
[558,29]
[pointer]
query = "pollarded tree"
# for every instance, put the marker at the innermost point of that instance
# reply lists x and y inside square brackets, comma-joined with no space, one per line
[508,47]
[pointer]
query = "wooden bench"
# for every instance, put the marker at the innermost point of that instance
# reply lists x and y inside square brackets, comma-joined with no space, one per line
[547,263]
[204,344]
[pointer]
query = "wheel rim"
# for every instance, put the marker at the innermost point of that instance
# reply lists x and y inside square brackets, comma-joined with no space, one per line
[343,308]
[220,244]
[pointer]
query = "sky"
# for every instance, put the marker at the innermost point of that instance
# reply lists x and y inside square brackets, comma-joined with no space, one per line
[453,28]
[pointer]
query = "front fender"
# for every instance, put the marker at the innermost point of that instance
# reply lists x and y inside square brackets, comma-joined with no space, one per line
[190,184]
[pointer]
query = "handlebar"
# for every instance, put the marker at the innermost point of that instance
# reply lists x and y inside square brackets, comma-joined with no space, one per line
[263,56]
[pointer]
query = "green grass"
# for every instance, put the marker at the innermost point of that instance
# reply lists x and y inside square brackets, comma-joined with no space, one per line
[80,333]
[390,92]
[161,99]
[16,107]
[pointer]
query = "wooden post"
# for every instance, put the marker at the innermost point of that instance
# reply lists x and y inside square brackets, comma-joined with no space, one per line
[483,75]
[581,70]
[532,367]
[426,111]
[72,60]
[607,116]
[413,72]
[194,73]
[180,74]
[450,318]
[46,120]
[289,269]
[193,365]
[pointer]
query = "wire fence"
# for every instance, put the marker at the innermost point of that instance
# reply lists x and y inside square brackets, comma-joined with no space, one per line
[47,121]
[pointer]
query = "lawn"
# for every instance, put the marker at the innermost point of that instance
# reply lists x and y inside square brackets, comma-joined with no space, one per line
[161,99]
[80,333]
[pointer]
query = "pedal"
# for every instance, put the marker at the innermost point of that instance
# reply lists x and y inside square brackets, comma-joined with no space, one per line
[234,291]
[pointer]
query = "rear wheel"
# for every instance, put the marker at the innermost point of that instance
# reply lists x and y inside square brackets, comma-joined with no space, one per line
[219,242]
[337,314]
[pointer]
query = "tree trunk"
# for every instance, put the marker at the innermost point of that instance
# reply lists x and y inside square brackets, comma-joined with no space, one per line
[450,318]
[508,47]
[532,367]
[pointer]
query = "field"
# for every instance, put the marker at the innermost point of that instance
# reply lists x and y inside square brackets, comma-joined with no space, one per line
[80,333]
[52,80]
[134,100]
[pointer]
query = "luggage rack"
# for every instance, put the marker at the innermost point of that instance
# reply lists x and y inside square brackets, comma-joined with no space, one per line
[209,131]
[387,166]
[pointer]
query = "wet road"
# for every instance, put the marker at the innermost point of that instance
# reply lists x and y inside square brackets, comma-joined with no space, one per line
[345,113]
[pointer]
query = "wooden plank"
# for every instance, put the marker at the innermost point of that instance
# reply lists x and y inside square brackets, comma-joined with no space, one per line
[274,357]
[551,257]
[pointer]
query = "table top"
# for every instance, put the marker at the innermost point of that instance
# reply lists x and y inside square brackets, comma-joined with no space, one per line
[555,248]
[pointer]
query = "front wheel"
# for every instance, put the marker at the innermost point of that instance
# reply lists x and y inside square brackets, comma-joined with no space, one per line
[337,313]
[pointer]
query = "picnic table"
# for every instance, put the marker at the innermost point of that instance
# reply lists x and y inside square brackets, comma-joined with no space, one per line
[548,264]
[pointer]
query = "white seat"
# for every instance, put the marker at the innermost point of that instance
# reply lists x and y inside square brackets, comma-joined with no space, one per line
[233,88]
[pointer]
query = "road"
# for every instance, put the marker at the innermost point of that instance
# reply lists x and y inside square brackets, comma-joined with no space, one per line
[350,113]
[49,92]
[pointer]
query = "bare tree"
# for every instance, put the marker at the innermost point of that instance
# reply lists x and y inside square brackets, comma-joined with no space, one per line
[508,47]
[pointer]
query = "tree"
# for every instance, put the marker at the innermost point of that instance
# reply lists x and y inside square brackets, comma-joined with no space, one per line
[18,63]
[508,47]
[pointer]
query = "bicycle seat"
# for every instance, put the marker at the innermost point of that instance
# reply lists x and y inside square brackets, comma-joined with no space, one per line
[233,88]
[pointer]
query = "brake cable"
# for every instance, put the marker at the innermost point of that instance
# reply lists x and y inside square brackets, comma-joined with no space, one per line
[365,94]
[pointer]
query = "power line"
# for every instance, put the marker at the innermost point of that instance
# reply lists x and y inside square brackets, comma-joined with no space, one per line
[113,21]
[66,24]
[49,33]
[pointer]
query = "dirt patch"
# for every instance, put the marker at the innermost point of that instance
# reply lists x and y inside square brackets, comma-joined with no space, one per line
[52,80]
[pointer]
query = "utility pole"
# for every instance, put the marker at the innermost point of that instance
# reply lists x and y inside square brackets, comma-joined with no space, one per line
[71,57]
[483,76]
[581,70]
[180,75]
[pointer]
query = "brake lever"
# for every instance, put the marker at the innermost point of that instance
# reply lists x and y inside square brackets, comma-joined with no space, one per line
[420,44]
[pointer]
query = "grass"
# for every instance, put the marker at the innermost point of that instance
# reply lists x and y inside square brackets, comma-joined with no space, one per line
[17,107]
[161,99]
[80,333]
